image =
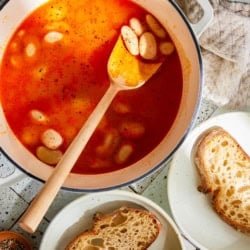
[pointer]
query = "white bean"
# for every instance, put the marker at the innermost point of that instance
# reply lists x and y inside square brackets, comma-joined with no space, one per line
[53,36]
[130,39]
[38,116]
[121,108]
[30,135]
[100,164]
[148,46]
[16,60]
[30,50]
[155,26]
[51,139]
[132,129]
[48,156]
[15,46]
[166,48]
[136,26]
[109,144]
[21,33]
[124,153]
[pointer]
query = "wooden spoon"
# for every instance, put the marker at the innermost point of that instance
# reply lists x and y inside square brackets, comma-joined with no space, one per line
[126,72]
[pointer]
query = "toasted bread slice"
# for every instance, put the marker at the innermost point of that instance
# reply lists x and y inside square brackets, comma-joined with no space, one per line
[224,169]
[125,228]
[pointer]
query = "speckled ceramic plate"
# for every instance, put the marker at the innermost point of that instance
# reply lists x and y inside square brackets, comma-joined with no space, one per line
[191,209]
[77,217]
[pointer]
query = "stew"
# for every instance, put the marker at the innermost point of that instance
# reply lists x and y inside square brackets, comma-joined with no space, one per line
[54,72]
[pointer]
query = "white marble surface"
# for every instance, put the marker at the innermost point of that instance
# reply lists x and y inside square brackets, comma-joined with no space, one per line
[15,198]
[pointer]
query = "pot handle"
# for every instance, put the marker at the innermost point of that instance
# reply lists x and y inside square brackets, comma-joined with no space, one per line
[9,173]
[207,17]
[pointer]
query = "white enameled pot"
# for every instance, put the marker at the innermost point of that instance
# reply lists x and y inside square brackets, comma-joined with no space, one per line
[184,36]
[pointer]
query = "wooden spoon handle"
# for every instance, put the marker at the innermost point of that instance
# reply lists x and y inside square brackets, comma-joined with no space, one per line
[34,214]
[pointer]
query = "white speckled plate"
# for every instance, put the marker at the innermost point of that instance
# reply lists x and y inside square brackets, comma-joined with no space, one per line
[191,209]
[77,217]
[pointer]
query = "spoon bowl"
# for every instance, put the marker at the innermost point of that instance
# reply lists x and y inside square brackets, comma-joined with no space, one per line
[130,72]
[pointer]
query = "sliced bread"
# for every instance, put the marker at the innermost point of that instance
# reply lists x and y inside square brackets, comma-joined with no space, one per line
[124,229]
[224,169]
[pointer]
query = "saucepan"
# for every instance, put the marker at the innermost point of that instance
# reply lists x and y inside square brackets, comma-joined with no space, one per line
[184,38]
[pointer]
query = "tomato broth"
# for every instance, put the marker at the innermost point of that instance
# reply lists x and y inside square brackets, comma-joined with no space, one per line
[54,72]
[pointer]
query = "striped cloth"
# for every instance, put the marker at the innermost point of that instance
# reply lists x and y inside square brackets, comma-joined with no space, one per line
[225,46]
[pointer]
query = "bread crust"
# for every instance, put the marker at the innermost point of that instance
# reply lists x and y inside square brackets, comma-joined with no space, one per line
[124,228]
[224,170]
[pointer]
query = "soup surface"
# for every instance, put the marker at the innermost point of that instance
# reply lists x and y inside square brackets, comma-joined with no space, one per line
[54,72]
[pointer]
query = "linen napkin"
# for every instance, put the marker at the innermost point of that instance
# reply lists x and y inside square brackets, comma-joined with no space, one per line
[225,47]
